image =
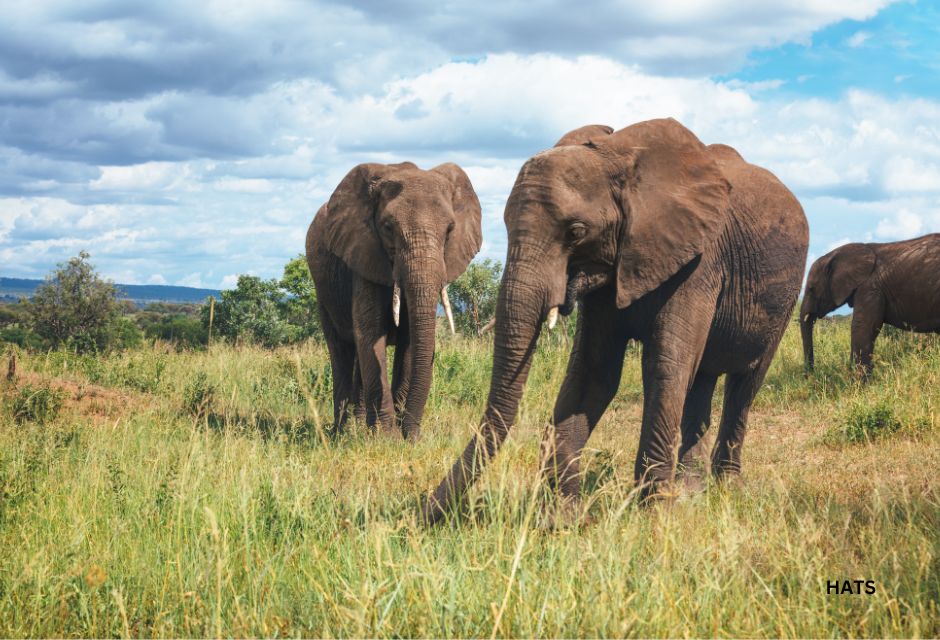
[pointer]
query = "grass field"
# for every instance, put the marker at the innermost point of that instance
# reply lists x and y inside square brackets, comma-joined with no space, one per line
[156,493]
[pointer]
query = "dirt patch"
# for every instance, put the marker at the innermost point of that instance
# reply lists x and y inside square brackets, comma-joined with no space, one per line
[84,398]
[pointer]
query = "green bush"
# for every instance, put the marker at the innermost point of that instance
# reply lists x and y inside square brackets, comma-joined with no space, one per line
[23,337]
[75,307]
[182,330]
[251,312]
[199,396]
[867,423]
[40,404]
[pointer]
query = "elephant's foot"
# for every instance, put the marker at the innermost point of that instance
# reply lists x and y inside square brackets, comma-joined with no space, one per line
[691,477]
[658,490]
[727,475]
[564,514]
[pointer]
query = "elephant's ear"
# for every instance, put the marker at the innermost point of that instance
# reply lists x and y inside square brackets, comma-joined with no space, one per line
[349,228]
[848,268]
[466,237]
[584,135]
[675,202]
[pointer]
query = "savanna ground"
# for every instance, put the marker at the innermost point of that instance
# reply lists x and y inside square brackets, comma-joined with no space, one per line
[196,494]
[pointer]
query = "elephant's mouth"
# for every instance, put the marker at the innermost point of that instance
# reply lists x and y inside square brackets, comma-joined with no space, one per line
[581,282]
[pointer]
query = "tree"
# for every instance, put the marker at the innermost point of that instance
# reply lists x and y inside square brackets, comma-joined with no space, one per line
[252,311]
[473,295]
[74,306]
[300,306]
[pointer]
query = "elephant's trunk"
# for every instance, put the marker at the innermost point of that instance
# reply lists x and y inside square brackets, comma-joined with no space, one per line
[807,320]
[519,313]
[421,287]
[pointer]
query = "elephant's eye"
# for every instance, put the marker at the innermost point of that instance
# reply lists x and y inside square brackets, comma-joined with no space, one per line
[450,230]
[576,232]
[388,226]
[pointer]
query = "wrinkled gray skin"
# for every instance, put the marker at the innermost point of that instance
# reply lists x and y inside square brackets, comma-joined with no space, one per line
[686,248]
[892,282]
[387,224]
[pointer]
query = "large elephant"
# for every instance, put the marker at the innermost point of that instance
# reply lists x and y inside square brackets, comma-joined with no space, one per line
[381,252]
[686,248]
[892,282]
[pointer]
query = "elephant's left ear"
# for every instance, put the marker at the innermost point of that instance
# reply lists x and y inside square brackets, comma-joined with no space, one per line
[466,237]
[675,202]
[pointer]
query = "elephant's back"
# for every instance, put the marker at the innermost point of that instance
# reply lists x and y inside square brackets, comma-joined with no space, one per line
[908,272]
[763,250]
[765,211]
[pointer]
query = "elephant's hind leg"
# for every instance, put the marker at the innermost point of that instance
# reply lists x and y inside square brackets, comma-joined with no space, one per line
[343,363]
[696,419]
[358,399]
[740,390]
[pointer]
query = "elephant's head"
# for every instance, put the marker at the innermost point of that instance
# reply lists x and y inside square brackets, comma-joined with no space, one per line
[413,230]
[627,209]
[832,282]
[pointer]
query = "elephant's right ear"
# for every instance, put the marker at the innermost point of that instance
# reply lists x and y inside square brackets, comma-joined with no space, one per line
[349,228]
[849,266]
[584,135]
[674,198]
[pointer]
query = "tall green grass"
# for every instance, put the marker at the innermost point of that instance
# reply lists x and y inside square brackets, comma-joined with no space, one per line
[210,500]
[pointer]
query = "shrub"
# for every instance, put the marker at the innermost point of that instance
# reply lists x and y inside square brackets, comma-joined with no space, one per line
[39,404]
[184,331]
[23,337]
[867,423]
[251,312]
[75,306]
[199,396]
[473,295]
[299,308]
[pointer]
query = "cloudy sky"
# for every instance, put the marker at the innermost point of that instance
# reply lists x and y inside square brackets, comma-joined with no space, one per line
[186,142]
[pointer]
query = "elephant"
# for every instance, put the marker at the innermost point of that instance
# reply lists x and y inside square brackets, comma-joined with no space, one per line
[686,249]
[381,252]
[891,282]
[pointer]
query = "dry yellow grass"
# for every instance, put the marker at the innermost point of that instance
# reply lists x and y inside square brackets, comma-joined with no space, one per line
[146,520]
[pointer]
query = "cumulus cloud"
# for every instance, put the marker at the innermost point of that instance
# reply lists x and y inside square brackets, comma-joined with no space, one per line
[188,143]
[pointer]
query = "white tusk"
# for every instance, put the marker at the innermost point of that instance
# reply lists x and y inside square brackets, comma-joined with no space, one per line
[552,317]
[447,310]
[396,303]
[806,317]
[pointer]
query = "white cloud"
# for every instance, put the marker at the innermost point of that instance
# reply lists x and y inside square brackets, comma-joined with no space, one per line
[183,162]
[858,38]
[156,278]
[142,177]
[904,224]
[245,185]
[229,281]
[191,280]
[904,174]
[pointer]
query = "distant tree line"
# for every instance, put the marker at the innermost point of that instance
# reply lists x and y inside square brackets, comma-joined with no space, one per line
[76,309]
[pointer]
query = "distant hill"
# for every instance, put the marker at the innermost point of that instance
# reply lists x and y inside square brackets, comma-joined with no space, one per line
[12,289]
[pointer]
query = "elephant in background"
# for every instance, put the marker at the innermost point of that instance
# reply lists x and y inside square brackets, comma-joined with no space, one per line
[381,252]
[686,248]
[892,282]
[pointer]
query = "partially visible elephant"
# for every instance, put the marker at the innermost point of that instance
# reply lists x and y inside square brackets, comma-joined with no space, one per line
[897,283]
[686,248]
[381,253]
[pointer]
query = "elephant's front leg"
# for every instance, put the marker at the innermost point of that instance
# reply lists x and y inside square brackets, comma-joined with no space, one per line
[371,316]
[591,382]
[401,365]
[670,361]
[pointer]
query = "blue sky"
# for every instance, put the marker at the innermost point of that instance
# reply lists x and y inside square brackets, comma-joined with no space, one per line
[186,143]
